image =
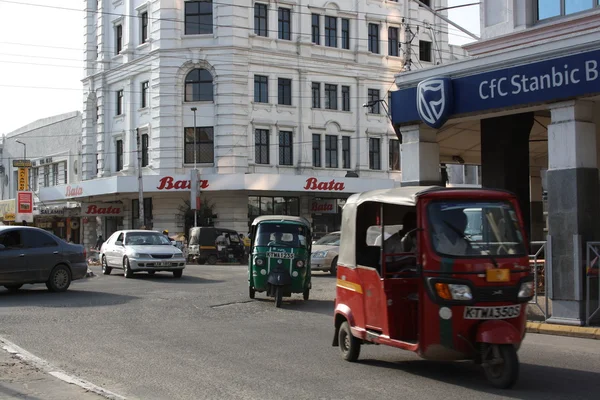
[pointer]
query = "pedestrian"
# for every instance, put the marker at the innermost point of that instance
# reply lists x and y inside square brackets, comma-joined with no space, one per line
[99,242]
[166,233]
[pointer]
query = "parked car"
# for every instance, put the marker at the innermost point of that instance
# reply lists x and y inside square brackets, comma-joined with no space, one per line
[31,255]
[325,253]
[139,250]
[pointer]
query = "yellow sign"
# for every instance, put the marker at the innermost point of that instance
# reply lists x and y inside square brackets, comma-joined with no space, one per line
[9,217]
[498,275]
[21,163]
[8,209]
[23,179]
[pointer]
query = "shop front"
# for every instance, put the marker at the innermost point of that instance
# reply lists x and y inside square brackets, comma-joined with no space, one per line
[7,211]
[60,220]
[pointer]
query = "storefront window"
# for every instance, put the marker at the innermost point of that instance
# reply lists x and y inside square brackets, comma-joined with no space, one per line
[136,213]
[279,205]
[266,205]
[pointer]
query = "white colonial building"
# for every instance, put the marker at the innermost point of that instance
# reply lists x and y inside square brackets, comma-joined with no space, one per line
[278,89]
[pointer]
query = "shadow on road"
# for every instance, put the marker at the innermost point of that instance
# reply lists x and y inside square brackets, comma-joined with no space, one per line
[535,381]
[38,296]
[324,307]
[168,277]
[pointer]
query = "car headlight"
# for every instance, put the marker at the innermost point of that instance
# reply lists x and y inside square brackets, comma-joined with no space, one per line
[319,254]
[452,291]
[138,255]
[526,290]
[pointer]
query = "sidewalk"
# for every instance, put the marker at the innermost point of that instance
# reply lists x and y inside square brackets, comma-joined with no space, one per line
[536,323]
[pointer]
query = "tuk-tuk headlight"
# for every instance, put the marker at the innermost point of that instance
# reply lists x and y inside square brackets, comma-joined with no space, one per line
[299,263]
[452,291]
[259,262]
[526,290]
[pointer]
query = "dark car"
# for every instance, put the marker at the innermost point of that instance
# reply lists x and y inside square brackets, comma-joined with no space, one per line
[32,255]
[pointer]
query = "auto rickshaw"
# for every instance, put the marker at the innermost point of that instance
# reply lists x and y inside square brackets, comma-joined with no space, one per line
[430,287]
[279,262]
[210,245]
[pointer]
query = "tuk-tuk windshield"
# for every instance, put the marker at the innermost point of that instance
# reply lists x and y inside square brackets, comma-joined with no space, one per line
[472,228]
[288,235]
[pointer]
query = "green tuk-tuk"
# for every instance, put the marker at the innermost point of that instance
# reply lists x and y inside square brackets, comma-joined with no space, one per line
[279,262]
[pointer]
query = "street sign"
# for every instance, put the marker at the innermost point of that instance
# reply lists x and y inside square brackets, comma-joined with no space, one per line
[22,163]
[23,181]
[24,206]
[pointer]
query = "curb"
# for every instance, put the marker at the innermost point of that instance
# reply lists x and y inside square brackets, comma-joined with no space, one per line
[563,330]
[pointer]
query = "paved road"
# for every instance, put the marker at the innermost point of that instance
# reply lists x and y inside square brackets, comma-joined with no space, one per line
[200,337]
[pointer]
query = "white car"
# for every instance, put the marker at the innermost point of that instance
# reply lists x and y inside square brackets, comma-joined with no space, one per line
[140,250]
[325,253]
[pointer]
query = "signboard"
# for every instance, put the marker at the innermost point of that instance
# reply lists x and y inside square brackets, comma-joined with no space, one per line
[22,163]
[24,206]
[23,179]
[324,206]
[7,210]
[102,209]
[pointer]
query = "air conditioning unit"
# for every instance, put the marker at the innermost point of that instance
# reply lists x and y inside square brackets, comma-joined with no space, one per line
[33,163]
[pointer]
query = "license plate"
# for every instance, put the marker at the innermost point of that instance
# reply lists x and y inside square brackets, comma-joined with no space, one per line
[162,264]
[280,255]
[498,275]
[501,312]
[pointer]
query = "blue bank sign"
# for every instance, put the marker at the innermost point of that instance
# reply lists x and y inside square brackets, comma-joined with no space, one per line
[540,82]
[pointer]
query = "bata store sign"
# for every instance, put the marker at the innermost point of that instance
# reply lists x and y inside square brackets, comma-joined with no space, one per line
[328,206]
[101,209]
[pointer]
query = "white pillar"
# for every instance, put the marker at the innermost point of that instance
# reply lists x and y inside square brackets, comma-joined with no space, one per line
[420,158]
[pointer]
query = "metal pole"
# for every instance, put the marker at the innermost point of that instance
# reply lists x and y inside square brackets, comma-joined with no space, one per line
[195,194]
[142,217]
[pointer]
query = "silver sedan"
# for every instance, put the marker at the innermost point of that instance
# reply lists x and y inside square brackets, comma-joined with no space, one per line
[325,253]
[140,250]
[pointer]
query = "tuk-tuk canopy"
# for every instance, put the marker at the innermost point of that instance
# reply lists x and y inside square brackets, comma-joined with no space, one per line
[281,218]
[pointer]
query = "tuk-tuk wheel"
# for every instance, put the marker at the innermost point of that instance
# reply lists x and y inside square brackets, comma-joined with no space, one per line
[212,260]
[306,294]
[251,292]
[200,261]
[349,345]
[278,296]
[501,365]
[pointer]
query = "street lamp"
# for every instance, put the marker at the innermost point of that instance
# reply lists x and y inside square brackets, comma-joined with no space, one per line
[24,155]
[194,109]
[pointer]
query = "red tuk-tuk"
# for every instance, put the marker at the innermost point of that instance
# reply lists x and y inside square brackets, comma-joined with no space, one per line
[452,283]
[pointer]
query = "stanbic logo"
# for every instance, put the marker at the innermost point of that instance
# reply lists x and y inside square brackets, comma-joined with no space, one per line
[434,101]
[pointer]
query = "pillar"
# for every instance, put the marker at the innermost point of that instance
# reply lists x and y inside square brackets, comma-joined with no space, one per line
[536,206]
[573,211]
[420,156]
[505,157]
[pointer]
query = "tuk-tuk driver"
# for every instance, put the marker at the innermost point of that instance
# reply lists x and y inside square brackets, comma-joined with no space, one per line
[450,233]
[278,239]
[404,241]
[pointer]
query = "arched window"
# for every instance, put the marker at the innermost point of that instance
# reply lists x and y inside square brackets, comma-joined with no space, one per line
[199,86]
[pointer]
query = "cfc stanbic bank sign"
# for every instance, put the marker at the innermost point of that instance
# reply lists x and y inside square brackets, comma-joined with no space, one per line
[535,83]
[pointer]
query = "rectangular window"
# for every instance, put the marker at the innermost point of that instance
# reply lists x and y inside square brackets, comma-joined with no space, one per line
[394,155]
[426,2]
[346,152]
[330,31]
[316,95]
[120,95]
[393,42]
[374,153]
[260,20]
[373,99]
[35,172]
[119,154]
[55,174]
[261,205]
[316,150]
[285,148]
[46,175]
[261,89]
[144,27]
[198,17]
[145,144]
[331,97]
[284,91]
[345,98]
[316,28]
[554,8]
[65,172]
[331,151]
[145,94]
[119,38]
[261,146]
[285,30]
[135,213]
[204,140]
[374,38]
[345,33]
[425,51]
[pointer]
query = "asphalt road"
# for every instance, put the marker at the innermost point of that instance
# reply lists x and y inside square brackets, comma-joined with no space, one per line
[201,337]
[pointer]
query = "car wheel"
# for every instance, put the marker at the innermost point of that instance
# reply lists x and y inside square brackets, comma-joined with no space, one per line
[127,272]
[13,288]
[151,272]
[177,273]
[333,269]
[212,260]
[105,268]
[60,279]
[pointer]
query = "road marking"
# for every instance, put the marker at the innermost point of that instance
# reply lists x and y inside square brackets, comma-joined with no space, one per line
[48,368]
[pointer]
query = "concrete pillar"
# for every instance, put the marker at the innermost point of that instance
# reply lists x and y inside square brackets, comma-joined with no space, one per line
[505,157]
[420,156]
[536,204]
[573,211]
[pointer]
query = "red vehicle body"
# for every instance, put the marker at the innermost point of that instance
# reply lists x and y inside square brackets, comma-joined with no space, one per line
[424,305]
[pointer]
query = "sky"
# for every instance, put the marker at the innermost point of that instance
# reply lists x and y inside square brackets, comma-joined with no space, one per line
[41,53]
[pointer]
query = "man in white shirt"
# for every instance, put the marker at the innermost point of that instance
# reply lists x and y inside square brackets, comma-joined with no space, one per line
[450,233]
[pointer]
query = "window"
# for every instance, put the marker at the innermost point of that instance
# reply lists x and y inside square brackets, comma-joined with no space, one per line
[346,152]
[285,30]
[345,33]
[205,149]
[285,148]
[198,17]
[55,174]
[144,27]
[46,175]
[199,86]
[284,91]
[345,98]
[394,155]
[331,97]
[374,153]
[554,8]
[261,89]
[316,150]
[330,31]
[426,2]
[119,38]
[374,38]
[260,205]
[119,154]
[35,172]
[120,95]
[260,20]
[135,211]
[145,150]
[261,146]
[316,29]
[331,151]
[374,101]
[425,51]
[316,95]
[11,239]
[145,94]
[36,239]
[393,42]
[65,172]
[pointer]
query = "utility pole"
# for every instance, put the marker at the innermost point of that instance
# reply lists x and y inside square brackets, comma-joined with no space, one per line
[409,36]
[195,174]
[140,180]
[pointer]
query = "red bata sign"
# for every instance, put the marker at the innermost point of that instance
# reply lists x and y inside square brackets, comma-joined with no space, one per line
[314,184]
[323,206]
[168,183]
[73,191]
[101,209]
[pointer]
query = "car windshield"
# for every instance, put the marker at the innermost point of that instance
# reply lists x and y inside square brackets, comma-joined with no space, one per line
[146,239]
[234,238]
[471,229]
[287,235]
[329,240]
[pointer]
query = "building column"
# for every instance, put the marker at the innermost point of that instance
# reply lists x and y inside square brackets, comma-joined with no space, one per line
[505,157]
[536,204]
[573,213]
[420,156]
